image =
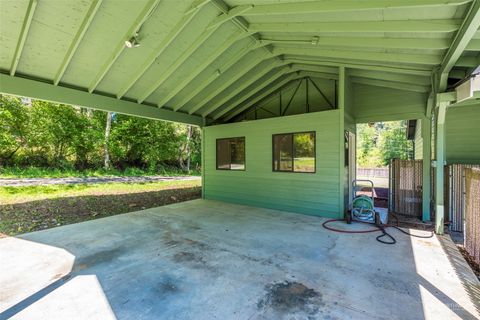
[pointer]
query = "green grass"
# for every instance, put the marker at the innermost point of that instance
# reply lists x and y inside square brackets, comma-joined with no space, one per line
[38,172]
[27,209]
[11,195]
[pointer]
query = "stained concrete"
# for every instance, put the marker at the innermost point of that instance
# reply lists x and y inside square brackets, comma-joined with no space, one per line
[211,260]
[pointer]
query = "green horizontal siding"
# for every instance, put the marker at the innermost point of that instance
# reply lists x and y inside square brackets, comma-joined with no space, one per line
[372,104]
[308,193]
[463,134]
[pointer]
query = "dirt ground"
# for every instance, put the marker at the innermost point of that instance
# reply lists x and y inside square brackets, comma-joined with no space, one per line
[42,214]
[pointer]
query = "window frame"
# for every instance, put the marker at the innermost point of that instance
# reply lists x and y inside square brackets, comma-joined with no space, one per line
[230,152]
[294,151]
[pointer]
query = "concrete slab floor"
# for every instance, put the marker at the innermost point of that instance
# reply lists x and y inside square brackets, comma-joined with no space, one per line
[211,260]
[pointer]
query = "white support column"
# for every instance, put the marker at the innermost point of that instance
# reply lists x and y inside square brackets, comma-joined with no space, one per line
[439,170]
[427,162]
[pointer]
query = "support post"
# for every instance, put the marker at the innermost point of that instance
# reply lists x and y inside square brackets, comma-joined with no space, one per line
[427,162]
[202,148]
[341,136]
[439,170]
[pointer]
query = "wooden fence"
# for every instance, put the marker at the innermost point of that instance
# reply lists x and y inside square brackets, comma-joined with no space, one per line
[405,187]
[472,212]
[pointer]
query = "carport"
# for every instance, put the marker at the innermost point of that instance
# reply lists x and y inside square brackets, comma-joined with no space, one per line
[257,75]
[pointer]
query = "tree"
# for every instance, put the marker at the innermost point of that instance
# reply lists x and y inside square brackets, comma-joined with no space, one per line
[14,120]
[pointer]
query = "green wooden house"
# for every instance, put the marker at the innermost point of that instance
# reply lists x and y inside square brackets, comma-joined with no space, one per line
[277,86]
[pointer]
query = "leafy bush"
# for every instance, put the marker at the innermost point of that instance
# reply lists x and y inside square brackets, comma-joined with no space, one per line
[67,138]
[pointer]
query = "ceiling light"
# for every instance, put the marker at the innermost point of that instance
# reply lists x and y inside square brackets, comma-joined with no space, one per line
[315,40]
[132,42]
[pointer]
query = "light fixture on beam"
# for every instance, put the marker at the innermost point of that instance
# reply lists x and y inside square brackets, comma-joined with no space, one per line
[132,42]
[315,40]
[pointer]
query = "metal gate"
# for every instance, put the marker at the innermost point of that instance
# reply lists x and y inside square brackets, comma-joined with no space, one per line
[405,187]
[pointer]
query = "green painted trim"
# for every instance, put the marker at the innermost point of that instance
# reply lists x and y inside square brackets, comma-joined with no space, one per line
[313,61]
[393,85]
[260,72]
[316,68]
[95,5]
[345,5]
[196,5]
[423,59]
[199,69]
[380,43]
[269,89]
[45,91]
[414,26]
[27,21]
[162,46]
[468,29]
[390,117]
[439,172]
[393,77]
[151,5]
[426,183]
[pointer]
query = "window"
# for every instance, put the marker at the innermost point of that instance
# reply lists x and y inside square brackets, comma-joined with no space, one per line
[294,152]
[231,154]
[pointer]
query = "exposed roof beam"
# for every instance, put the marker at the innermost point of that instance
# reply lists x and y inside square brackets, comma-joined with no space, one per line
[325,62]
[199,88]
[268,90]
[414,26]
[243,69]
[199,69]
[392,85]
[144,14]
[237,88]
[393,77]
[468,29]
[159,49]
[468,62]
[77,39]
[196,5]
[227,108]
[177,63]
[374,57]
[232,13]
[474,45]
[316,74]
[345,5]
[367,42]
[317,68]
[27,21]
[49,92]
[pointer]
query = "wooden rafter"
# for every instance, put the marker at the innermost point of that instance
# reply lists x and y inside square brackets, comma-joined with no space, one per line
[144,14]
[27,21]
[94,6]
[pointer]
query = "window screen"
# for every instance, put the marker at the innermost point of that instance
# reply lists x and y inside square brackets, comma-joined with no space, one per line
[231,154]
[294,152]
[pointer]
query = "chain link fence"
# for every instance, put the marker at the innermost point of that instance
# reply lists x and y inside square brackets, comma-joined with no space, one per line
[472,212]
